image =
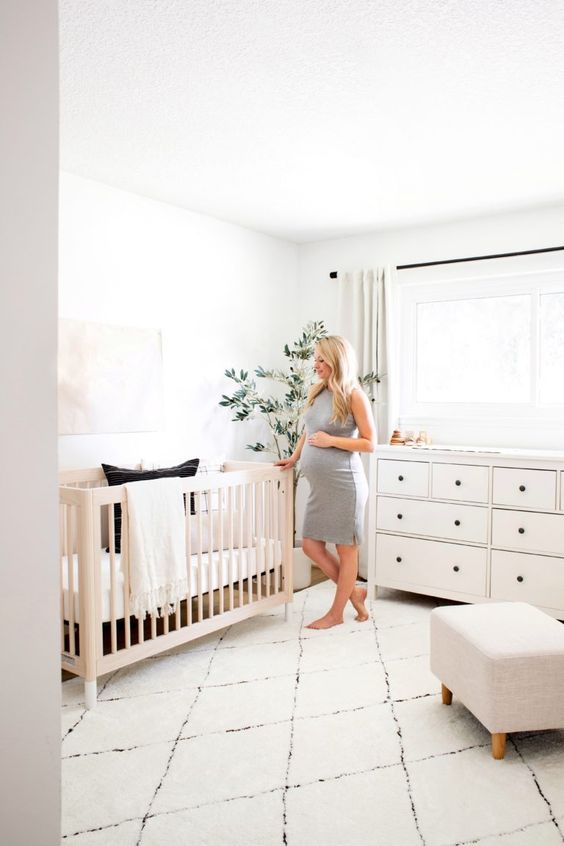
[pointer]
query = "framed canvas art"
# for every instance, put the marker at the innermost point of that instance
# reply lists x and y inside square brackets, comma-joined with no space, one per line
[110,378]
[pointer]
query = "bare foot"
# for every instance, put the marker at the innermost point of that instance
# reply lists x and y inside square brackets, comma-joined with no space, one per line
[358,598]
[326,622]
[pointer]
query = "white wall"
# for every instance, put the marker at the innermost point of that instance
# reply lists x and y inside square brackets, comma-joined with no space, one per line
[221,294]
[29,625]
[525,230]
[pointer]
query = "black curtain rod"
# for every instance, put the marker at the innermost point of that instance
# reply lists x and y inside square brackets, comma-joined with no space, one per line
[334,273]
[479,258]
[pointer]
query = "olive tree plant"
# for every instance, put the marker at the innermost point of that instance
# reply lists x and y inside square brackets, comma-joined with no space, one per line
[281,410]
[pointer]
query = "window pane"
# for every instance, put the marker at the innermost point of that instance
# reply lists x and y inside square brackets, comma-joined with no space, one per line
[474,350]
[552,348]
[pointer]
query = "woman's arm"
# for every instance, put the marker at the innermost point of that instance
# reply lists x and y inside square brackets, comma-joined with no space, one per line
[362,413]
[289,462]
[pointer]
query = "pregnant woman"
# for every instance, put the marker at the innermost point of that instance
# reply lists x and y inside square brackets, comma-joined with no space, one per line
[338,426]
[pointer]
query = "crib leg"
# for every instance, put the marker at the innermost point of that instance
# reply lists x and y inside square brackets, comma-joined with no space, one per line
[90,693]
[288,612]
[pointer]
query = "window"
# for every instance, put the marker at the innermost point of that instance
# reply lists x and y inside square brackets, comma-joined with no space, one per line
[482,346]
[475,350]
[551,382]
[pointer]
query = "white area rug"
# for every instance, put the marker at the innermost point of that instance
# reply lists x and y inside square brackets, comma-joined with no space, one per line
[269,733]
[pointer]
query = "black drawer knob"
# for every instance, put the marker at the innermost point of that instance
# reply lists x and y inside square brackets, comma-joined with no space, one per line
[457,522]
[522,488]
[519,578]
[398,559]
[400,478]
[521,531]
[456,568]
[458,483]
[400,516]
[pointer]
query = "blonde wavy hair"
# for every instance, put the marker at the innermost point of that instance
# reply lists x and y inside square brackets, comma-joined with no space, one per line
[341,358]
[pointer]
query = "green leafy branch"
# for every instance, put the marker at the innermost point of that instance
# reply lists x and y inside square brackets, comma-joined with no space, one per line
[283,414]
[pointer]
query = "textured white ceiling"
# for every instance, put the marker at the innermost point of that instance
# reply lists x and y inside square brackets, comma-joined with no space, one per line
[312,119]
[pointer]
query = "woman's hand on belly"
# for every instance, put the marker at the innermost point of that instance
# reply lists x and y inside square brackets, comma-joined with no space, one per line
[320,439]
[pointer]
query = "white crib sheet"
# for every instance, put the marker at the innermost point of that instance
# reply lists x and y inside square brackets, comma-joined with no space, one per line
[219,567]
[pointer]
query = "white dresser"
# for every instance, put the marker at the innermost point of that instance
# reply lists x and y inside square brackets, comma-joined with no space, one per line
[467,523]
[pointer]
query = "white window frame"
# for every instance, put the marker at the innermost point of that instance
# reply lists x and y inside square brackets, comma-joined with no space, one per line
[492,278]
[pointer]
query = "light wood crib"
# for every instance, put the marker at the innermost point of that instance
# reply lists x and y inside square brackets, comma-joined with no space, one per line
[239,539]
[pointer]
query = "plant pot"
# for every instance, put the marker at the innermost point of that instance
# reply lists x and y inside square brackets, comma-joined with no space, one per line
[302,569]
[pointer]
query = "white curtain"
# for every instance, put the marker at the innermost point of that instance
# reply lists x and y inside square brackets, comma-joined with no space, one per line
[364,318]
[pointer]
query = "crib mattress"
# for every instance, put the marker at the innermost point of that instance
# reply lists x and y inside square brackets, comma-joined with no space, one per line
[243,562]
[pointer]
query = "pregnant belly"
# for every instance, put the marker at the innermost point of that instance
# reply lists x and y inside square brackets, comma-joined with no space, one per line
[329,463]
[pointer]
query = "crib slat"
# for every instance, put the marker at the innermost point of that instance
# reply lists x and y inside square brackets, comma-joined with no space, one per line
[97,580]
[230,533]
[276,531]
[249,490]
[268,563]
[125,568]
[113,585]
[70,573]
[240,493]
[220,559]
[259,554]
[273,531]
[199,546]
[189,520]
[154,626]
[210,556]
[240,499]
[272,507]
[62,535]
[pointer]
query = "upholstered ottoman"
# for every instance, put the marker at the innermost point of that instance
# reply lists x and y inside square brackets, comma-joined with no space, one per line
[505,662]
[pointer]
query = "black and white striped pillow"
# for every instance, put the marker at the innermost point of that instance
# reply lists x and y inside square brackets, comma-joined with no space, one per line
[121,475]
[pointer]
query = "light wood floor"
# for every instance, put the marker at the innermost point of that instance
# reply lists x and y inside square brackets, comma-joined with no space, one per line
[317,576]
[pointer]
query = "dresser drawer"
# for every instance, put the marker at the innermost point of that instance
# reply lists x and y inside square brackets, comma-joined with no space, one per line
[528,531]
[562,491]
[403,477]
[433,564]
[528,488]
[437,519]
[537,579]
[459,481]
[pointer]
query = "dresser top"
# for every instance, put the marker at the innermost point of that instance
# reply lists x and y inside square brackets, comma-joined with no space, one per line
[468,451]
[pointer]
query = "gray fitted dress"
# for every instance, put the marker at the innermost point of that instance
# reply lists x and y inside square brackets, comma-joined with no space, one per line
[338,486]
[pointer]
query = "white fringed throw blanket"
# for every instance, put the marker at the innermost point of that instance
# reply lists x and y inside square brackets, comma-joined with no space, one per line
[156,546]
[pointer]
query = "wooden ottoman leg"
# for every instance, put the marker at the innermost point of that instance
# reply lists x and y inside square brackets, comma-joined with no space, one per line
[447,695]
[498,745]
